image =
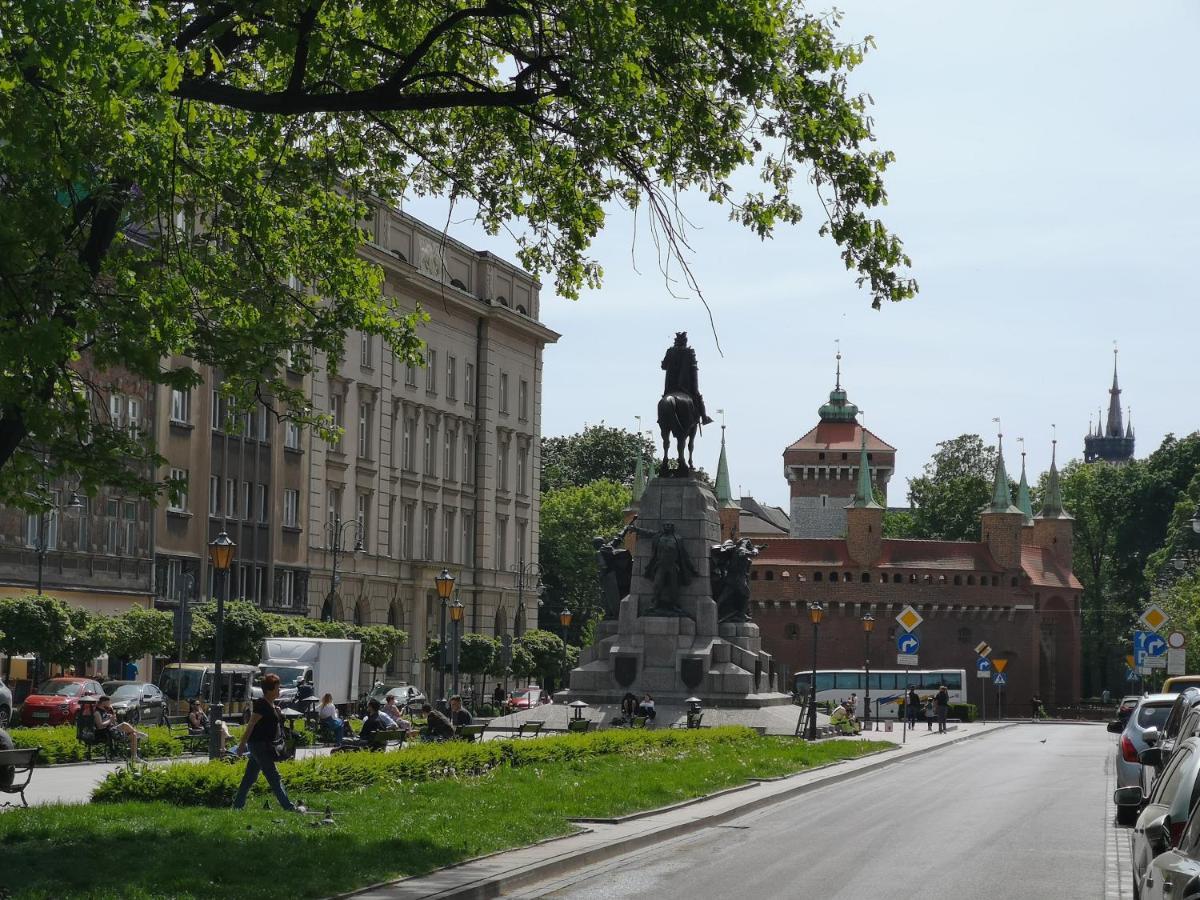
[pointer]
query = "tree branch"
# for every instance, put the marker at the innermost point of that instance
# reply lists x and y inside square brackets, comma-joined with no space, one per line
[374,99]
[303,33]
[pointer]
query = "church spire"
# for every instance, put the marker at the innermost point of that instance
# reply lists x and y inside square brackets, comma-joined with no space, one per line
[724,492]
[1001,495]
[838,409]
[639,469]
[864,494]
[1024,504]
[1052,502]
[1114,428]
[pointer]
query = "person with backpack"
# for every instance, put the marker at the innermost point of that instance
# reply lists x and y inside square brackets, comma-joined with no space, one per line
[263,737]
[941,704]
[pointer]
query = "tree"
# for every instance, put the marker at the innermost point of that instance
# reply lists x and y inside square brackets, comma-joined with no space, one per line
[170,169]
[571,517]
[546,654]
[245,629]
[89,637]
[35,624]
[599,452]
[379,643]
[951,490]
[476,655]
[140,631]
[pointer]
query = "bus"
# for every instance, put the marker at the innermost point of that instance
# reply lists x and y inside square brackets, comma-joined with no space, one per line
[887,685]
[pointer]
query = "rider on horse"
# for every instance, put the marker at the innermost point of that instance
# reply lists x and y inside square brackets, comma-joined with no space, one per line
[683,373]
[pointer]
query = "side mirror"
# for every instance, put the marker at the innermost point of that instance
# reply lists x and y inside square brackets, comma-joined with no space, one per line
[1115,727]
[1151,736]
[1151,756]
[1128,796]
[1158,834]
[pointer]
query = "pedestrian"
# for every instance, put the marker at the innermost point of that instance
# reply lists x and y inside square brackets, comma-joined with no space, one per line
[927,713]
[259,737]
[437,726]
[942,705]
[646,708]
[912,706]
[458,716]
[1105,697]
[852,704]
[390,708]
[1037,711]
[629,706]
[199,723]
[499,696]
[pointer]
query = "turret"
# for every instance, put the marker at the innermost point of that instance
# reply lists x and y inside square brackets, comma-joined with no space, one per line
[727,508]
[1001,521]
[864,517]
[1053,528]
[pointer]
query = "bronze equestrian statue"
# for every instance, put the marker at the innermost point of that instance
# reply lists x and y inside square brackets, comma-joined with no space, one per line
[681,410]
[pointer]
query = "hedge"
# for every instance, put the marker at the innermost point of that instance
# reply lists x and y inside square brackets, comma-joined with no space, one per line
[215,783]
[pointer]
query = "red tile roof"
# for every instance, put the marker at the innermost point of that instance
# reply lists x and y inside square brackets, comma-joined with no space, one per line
[840,436]
[897,554]
[1044,571]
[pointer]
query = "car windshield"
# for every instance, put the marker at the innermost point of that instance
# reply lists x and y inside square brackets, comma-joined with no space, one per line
[289,676]
[1152,716]
[59,688]
[126,692]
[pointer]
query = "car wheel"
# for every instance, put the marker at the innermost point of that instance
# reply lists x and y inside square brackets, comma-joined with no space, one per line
[1127,815]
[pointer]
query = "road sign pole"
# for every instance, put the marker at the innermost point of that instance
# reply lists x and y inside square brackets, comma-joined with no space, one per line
[983,695]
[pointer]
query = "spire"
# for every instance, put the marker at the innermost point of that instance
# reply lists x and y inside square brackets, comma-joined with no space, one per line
[1001,497]
[1024,504]
[1052,502]
[864,494]
[838,409]
[1129,422]
[639,475]
[837,386]
[724,494]
[1114,427]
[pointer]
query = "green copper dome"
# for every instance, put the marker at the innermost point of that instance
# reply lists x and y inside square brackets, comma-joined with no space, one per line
[838,409]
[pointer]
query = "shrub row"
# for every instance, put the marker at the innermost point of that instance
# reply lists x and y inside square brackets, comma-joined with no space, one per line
[214,784]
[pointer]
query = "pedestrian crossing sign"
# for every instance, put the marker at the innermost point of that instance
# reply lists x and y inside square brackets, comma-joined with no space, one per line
[909,618]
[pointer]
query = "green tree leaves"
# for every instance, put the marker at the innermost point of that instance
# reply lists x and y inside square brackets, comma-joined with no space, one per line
[953,487]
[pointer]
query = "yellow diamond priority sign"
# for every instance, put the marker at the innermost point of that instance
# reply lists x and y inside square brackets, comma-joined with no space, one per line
[1153,618]
[909,618]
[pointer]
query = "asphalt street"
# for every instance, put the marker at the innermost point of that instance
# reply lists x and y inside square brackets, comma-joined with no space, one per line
[1019,813]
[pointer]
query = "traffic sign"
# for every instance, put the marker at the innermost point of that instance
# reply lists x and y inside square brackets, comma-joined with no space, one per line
[1143,670]
[1176,662]
[906,659]
[909,618]
[983,649]
[1130,662]
[1000,680]
[908,643]
[1176,640]
[999,664]
[1147,645]
[983,668]
[1153,618]
[1155,662]
[1130,674]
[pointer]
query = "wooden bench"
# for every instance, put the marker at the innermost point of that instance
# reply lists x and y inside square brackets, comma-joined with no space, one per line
[529,729]
[21,762]
[470,733]
[692,721]
[579,726]
[380,741]
[178,728]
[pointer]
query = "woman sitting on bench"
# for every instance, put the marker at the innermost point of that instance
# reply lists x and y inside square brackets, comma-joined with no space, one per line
[106,725]
[198,723]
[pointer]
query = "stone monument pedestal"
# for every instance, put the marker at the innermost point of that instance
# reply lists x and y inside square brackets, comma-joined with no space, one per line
[674,657]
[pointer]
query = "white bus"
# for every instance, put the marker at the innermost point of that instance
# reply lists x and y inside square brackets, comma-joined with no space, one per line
[887,685]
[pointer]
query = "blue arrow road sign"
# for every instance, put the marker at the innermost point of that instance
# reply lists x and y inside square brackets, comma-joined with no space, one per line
[1147,643]
[983,664]
[908,643]
[1000,680]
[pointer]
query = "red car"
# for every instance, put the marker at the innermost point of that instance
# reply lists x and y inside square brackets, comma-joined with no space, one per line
[528,698]
[58,699]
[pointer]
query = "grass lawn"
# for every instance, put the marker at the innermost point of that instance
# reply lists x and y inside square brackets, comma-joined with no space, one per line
[141,850]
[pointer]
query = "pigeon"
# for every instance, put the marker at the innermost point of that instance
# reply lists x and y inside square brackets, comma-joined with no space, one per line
[1042,741]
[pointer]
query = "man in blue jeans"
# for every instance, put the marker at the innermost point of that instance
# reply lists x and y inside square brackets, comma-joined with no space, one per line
[259,738]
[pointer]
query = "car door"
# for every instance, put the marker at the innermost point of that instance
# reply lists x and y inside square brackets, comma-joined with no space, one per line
[1159,805]
[1175,875]
[151,708]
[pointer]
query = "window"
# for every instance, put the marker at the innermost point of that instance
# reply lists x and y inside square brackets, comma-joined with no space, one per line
[364,348]
[231,497]
[112,537]
[502,464]
[131,542]
[264,425]
[291,508]
[218,411]
[522,534]
[430,468]
[41,529]
[333,500]
[260,580]
[468,538]
[448,454]
[522,453]
[448,535]
[247,498]
[504,393]
[468,459]
[523,400]
[429,514]
[134,421]
[363,514]
[291,435]
[406,530]
[177,497]
[83,520]
[263,509]
[469,384]
[181,406]
[116,410]
[214,495]
[451,377]
[335,410]
[502,542]
[245,574]
[364,430]
[409,446]
[287,589]
[410,375]
[430,370]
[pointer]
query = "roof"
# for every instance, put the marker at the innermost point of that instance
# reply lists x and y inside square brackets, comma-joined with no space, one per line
[750,525]
[1044,571]
[959,556]
[839,436]
[772,515]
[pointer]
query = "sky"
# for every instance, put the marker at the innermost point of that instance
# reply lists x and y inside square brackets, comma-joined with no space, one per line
[1046,189]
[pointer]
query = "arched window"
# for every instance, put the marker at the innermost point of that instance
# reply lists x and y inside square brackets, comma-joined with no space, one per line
[500,623]
[883,578]
[1014,581]
[754,575]
[912,578]
[846,576]
[833,577]
[866,577]
[995,581]
[395,618]
[770,574]
[817,576]
[928,579]
[361,614]
[792,631]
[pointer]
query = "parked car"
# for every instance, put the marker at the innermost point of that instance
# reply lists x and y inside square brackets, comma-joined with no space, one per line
[406,695]
[5,704]
[57,700]
[1127,705]
[1177,683]
[1140,732]
[527,698]
[1172,729]
[1174,873]
[1168,803]
[137,701]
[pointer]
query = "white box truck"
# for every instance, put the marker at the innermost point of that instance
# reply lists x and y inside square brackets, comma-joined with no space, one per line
[333,664]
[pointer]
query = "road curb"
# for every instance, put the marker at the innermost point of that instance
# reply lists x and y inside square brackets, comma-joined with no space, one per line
[498,885]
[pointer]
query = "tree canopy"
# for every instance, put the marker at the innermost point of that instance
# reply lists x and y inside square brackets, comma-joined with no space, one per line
[190,179]
[599,452]
[954,485]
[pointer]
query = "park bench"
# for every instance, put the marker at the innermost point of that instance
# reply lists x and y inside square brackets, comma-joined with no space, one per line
[177,727]
[20,764]
[470,733]
[529,729]
[579,726]
[692,721]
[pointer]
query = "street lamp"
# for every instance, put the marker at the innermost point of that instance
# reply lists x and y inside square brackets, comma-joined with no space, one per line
[1195,520]
[564,619]
[74,505]
[868,623]
[815,612]
[220,554]
[335,534]
[524,572]
[445,588]
[456,617]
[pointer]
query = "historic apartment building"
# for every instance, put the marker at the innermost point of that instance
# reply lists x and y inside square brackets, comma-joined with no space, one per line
[1013,589]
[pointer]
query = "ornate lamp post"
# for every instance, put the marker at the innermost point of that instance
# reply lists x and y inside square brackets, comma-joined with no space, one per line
[815,612]
[336,533]
[526,572]
[456,617]
[868,623]
[74,505]
[220,554]
[445,588]
[564,619]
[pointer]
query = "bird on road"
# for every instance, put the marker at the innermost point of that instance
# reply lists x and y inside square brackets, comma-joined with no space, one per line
[1042,741]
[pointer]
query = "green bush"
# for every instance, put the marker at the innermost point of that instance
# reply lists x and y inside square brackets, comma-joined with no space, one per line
[964,712]
[215,783]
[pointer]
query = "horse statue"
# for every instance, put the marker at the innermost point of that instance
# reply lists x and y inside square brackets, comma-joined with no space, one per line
[678,417]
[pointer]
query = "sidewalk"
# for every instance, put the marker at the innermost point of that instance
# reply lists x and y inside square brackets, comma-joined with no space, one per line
[494,875]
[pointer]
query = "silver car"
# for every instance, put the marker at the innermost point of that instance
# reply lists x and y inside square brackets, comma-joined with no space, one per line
[5,704]
[1150,713]
[1174,874]
[1167,807]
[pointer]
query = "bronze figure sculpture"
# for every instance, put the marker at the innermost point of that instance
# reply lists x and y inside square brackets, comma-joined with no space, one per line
[681,410]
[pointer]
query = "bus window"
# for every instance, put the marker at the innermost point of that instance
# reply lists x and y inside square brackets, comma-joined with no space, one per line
[802,685]
[876,682]
[848,681]
[952,680]
[824,681]
[887,682]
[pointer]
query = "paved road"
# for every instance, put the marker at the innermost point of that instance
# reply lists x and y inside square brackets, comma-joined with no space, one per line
[1001,816]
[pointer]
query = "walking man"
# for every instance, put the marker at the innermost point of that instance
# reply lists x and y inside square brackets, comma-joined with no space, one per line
[942,705]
